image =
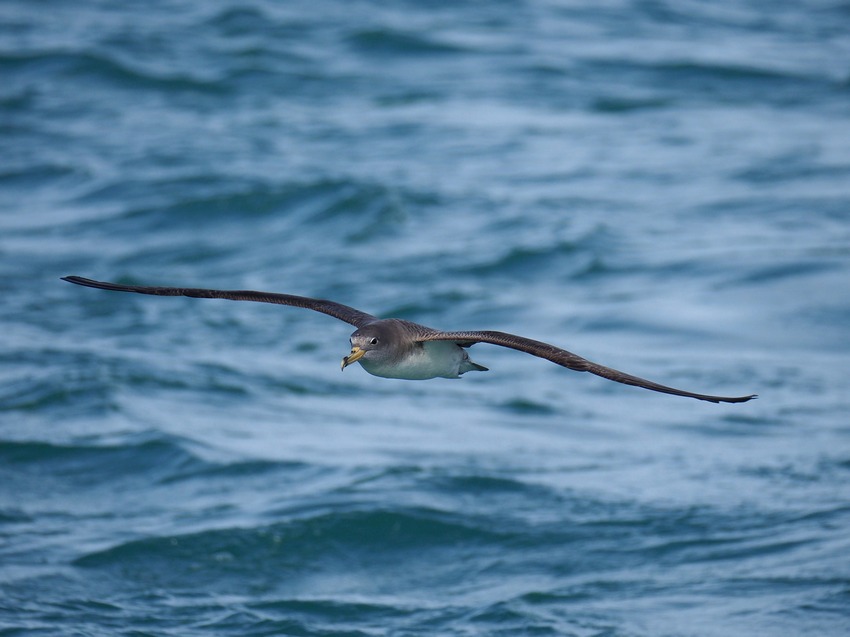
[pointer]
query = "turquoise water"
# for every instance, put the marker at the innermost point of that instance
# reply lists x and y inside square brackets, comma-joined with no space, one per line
[661,187]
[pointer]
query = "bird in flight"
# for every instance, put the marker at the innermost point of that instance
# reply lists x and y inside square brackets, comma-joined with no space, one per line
[395,348]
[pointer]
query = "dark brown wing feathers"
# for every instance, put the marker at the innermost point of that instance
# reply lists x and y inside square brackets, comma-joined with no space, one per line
[337,310]
[569,360]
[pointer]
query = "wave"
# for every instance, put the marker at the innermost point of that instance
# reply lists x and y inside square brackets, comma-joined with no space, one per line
[387,41]
[308,203]
[92,464]
[104,67]
[367,540]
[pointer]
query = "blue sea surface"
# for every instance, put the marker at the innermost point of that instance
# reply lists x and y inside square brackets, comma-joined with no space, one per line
[662,187]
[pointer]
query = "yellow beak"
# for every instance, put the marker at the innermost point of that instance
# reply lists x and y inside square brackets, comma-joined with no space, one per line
[356,355]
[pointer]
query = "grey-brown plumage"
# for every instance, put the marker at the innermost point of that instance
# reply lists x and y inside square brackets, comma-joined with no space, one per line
[394,348]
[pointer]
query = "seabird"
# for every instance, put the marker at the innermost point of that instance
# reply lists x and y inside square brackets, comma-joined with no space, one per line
[395,348]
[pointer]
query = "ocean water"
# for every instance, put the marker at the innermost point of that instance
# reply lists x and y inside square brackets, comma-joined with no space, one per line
[662,187]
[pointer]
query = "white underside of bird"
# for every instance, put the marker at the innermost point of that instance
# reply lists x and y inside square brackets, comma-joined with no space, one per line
[434,359]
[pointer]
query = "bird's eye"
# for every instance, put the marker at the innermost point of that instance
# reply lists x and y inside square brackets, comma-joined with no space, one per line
[374,341]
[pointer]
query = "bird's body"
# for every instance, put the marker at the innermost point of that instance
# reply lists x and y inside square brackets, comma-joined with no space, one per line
[424,361]
[414,359]
[394,348]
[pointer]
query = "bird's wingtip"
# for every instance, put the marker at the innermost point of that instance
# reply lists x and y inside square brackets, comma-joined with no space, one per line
[744,399]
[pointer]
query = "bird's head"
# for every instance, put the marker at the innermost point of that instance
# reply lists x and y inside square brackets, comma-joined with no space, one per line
[367,342]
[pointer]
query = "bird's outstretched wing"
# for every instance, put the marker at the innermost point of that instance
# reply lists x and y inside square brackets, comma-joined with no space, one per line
[567,359]
[337,310]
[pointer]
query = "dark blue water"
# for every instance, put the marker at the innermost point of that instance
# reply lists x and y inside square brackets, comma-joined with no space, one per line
[663,187]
